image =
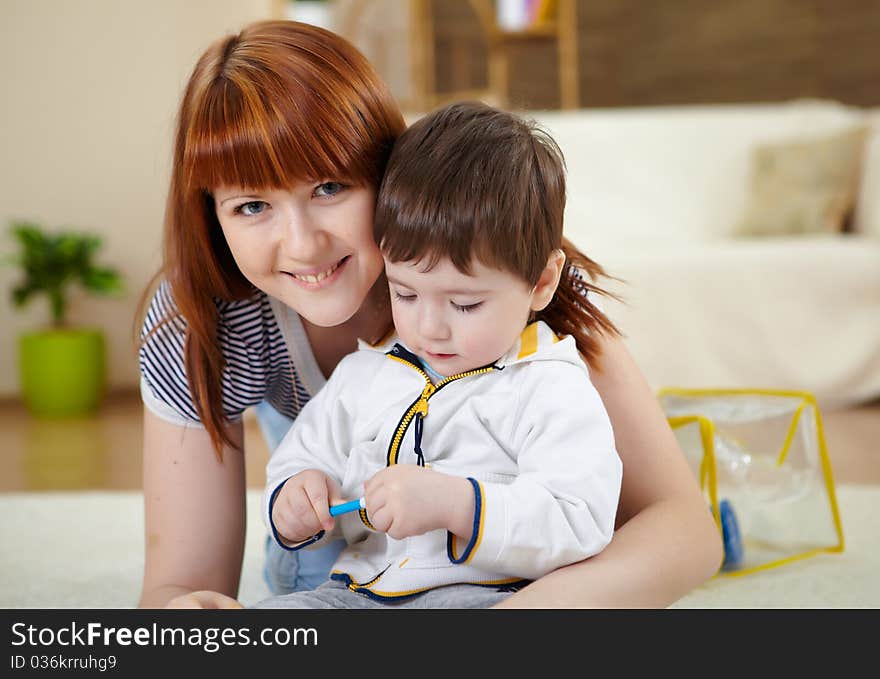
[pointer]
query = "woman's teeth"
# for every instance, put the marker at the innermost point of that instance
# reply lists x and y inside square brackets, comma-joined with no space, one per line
[316,278]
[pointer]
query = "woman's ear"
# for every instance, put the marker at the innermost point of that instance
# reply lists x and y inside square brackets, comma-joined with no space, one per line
[547,283]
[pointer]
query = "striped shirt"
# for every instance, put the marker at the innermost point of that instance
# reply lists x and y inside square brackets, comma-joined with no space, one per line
[257,361]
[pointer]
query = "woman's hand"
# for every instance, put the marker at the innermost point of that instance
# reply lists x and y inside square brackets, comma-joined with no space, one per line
[405,500]
[203,599]
[302,506]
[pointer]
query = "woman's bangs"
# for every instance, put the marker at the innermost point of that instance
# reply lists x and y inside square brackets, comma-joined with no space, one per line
[255,143]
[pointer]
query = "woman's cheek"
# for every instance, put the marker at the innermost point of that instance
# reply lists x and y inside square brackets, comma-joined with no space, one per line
[250,254]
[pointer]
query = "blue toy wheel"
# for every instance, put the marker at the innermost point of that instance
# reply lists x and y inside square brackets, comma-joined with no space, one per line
[733,546]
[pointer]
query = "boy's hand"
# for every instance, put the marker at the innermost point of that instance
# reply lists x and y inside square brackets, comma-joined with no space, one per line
[405,500]
[302,506]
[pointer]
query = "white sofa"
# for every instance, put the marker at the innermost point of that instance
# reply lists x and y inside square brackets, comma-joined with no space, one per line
[654,195]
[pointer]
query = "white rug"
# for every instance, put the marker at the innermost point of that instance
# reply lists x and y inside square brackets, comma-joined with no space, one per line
[85,550]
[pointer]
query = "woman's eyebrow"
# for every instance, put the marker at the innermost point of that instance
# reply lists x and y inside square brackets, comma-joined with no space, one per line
[236,197]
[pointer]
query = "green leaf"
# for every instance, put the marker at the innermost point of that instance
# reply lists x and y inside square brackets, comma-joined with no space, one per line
[102,280]
[21,294]
[28,234]
[52,262]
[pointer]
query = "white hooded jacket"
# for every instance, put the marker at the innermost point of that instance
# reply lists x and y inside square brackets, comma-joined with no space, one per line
[529,432]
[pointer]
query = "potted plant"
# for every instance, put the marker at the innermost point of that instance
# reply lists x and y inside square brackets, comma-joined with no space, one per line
[62,369]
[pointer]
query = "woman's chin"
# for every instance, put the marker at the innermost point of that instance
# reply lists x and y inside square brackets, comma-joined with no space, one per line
[327,315]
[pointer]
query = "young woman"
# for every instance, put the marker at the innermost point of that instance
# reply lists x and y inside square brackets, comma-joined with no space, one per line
[271,274]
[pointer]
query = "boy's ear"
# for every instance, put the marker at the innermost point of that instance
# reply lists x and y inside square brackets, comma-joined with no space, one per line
[546,286]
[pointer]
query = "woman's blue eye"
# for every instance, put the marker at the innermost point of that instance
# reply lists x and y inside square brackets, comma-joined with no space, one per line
[329,189]
[467,308]
[251,208]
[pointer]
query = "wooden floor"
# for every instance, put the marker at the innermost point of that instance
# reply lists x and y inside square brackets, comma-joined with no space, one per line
[104,452]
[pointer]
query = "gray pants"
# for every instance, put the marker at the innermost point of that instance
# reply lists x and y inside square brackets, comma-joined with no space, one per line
[333,594]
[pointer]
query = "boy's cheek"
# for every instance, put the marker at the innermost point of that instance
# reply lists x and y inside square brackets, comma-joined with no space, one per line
[401,322]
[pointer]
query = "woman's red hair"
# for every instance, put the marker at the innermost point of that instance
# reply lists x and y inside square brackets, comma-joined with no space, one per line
[278,103]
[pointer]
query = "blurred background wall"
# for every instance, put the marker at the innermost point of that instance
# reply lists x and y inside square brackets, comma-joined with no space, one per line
[90,89]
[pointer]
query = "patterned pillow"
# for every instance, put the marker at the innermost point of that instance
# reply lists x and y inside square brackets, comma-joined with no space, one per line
[804,186]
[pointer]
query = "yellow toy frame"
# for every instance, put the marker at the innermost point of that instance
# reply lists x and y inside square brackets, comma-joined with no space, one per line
[708,462]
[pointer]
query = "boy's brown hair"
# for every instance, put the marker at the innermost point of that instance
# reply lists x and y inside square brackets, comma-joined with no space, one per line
[469,180]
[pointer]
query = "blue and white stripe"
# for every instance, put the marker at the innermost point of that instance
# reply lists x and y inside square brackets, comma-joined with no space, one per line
[257,366]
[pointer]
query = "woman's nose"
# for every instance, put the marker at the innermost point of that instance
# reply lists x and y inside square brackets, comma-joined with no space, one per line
[302,239]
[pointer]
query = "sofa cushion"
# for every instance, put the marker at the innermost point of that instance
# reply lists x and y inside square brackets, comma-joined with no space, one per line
[782,313]
[804,186]
[661,175]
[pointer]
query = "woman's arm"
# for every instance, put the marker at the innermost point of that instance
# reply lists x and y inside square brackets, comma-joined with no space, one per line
[666,542]
[194,516]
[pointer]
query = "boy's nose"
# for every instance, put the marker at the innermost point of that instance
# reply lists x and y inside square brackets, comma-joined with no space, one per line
[432,325]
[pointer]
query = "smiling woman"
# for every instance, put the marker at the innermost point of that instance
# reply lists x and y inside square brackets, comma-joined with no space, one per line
[269,140]
[309,246]
[282,135]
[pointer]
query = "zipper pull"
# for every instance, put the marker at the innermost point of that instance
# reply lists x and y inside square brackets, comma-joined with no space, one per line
[421,407]
[422,403]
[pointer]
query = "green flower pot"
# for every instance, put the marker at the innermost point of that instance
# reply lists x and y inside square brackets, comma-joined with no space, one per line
[62,372]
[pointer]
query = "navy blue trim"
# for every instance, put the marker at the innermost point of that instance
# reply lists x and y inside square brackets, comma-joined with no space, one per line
[362,513]
[475,530]
[400,351]
[417,446]
[275,535]
[346,580]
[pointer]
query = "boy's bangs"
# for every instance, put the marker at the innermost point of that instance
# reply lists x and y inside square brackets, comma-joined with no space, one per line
[255,143]
[427,236]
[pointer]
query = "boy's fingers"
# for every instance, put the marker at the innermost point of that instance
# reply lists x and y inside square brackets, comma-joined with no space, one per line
[320,501]
[334,492]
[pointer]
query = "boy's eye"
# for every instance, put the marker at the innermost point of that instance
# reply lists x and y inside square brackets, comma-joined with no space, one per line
[403,298]
[251,208]
[467,308]
[329,189]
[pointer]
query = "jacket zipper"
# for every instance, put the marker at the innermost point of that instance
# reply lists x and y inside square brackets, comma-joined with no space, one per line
[420,405]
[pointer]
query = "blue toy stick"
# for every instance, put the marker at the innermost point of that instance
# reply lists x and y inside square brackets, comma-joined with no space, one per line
[346,507]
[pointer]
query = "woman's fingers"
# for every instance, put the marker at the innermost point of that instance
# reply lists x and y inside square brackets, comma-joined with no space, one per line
[204,599]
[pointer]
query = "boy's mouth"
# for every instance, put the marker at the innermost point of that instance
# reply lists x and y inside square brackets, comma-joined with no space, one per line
[440,357]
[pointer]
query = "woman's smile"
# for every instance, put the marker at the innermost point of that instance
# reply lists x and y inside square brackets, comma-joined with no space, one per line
[320,278]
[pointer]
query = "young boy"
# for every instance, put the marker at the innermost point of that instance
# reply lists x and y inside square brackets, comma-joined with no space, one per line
[481,453]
